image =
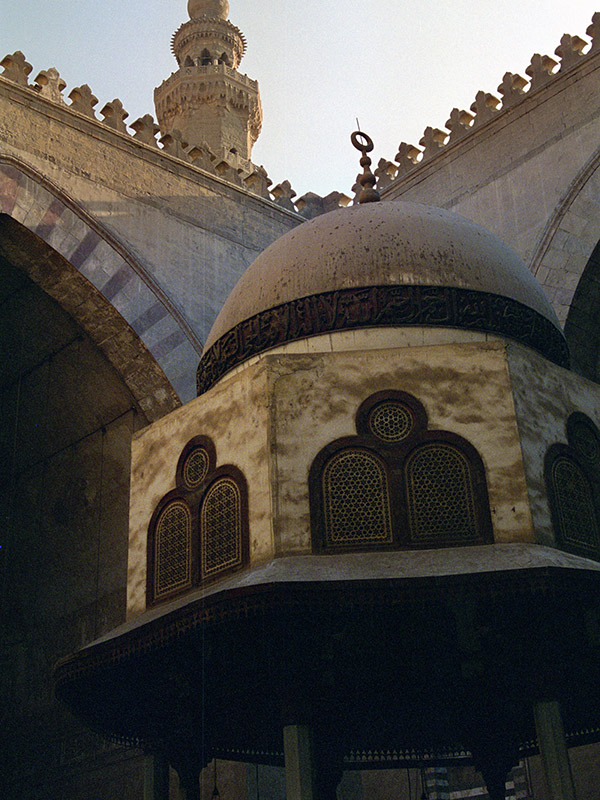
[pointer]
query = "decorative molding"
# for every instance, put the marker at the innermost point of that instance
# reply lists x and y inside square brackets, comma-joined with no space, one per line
[542,71]
[381,306]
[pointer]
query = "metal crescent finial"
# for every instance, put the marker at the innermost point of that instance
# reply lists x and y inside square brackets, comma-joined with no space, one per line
[367,180]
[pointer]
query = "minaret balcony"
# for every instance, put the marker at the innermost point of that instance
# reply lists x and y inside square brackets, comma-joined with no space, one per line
[201,71]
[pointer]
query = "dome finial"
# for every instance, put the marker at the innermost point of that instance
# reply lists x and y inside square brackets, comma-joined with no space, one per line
[215,9]
[367,180]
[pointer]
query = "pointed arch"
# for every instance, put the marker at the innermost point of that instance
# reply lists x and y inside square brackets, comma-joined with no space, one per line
[92,275]
[566,262]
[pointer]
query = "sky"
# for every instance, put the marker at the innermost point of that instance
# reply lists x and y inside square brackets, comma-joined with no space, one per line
[396,66]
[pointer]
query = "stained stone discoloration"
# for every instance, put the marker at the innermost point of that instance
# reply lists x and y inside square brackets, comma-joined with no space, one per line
[235,416]
[323,400]
[545,395]
[272,418]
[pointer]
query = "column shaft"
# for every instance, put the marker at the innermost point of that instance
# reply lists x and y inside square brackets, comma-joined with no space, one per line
[553,750]
[299,763]
[156,778]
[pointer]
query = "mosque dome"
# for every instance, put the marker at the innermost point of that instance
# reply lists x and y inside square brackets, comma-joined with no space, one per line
[424,266]
[208,8]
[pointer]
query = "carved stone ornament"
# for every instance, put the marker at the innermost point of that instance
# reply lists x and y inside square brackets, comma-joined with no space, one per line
[16,68]
[83,100]
[50,85]
[381,306]
[115,115]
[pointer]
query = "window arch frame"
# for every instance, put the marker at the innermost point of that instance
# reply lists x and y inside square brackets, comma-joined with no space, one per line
[333,452]
[395,456]
[151,596]
[591,472]
[236,476]
[194,498]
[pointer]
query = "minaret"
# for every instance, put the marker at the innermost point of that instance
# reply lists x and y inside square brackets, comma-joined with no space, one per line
[207,99]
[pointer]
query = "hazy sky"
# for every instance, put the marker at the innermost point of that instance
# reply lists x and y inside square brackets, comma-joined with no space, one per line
[397,66]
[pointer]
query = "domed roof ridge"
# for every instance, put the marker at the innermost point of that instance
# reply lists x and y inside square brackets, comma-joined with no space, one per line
[422,265]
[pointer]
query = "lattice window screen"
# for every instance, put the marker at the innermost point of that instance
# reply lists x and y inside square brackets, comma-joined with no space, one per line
[356,500]
[221,528]
[195,468]
[585,441]
[173,549]
[440,496]
[578,526]
[390,421]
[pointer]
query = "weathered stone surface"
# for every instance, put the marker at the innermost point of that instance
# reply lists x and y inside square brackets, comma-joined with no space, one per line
[16,68]
[115,115]
[459,124]
[174,144]
[570,51]
[202,156]
[593,31]
[406,157]
[283,195]
[433,140]
[511,89]
[540,70]
[145,130]
[49,84]
[258,182]
[83,101]
[385,173]
[484,108]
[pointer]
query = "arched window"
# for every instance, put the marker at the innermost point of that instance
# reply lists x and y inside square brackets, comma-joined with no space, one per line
[440,496]
[573,485]
[356,500]
[200,529]
[205,58]
[220,528]
[577,524]
[397,484]
[172,550]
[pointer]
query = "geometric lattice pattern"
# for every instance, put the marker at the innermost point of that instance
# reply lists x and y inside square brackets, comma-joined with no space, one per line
[439,493]
[195,468]
[356,500]
[173,549]
[585,441]
[220,528]
[390,421]
[578,526]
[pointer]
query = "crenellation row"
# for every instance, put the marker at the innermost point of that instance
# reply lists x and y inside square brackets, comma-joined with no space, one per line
[225,164]
[512,90]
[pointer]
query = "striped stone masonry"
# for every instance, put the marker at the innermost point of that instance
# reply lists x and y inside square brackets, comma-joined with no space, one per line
[114,273]
[226,165]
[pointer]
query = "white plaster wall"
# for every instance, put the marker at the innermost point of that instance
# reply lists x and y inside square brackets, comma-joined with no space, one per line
[371,339]
[544,396]
[235,415]
[465,389]
[272,419]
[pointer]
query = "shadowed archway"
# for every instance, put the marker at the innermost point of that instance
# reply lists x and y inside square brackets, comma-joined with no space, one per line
[582,327]
[76,383]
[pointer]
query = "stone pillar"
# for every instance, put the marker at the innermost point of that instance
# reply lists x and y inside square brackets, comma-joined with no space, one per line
[189,786]
[299,763]
[553,750]
[156,778]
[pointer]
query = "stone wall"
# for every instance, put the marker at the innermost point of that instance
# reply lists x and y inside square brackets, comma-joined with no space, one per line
[187,234]
[525,168]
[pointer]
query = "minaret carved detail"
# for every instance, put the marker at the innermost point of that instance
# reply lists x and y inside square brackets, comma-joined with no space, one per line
[207,99]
